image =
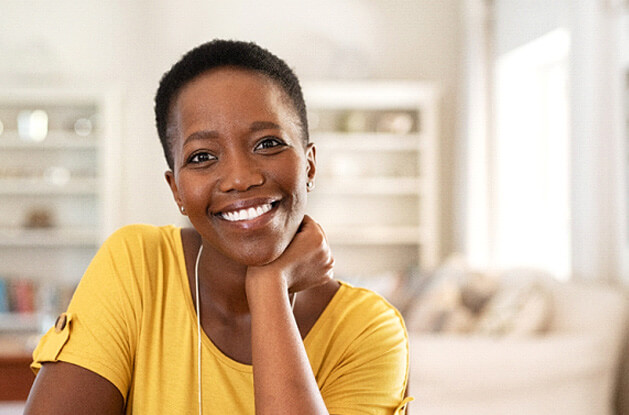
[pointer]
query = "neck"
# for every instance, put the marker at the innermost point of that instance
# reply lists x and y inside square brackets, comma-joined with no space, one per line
[222,282]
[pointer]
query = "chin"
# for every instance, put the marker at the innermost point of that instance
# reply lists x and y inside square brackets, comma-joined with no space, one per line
[257,259]
[259,254]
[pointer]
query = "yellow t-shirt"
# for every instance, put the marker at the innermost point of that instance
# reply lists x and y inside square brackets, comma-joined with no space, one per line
[132,321]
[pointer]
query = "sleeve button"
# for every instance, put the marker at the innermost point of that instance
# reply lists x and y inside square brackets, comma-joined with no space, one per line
[60,323]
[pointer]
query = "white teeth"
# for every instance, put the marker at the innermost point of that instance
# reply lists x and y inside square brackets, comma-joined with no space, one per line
[246,214]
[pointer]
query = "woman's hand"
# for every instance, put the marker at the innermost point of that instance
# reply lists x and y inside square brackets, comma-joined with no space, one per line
[307,261]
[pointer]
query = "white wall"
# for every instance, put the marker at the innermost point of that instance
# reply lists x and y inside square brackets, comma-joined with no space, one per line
[518,22]
[131,43]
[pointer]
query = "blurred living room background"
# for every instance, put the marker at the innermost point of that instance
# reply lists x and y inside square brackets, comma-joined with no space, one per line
[473,167]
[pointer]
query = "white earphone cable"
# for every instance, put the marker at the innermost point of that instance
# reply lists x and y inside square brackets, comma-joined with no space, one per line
[196,283]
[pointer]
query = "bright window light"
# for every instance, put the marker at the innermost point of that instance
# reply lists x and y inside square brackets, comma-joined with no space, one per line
[531,202]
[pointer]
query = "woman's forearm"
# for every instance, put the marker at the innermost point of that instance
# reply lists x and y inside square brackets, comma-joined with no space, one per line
[282,375]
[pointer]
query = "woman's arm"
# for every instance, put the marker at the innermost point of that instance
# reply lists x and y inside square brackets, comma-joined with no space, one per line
[63,388]
[282,376]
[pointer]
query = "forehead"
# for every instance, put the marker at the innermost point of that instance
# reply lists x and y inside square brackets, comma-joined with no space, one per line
[229,92]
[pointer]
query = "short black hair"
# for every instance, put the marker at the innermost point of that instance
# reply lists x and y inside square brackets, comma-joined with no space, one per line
[218,53]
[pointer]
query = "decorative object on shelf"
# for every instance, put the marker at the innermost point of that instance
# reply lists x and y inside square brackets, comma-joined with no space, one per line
[356,122]
[32,125]
[56,175]
[39,218]
[83,127]
[395,123]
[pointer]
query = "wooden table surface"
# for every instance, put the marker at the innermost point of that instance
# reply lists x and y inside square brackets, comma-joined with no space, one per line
[16,377]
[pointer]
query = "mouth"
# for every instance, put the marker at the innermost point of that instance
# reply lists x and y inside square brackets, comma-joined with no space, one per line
[245,214]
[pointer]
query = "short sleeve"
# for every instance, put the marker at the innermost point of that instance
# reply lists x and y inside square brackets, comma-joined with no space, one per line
[100,326]
[372,374]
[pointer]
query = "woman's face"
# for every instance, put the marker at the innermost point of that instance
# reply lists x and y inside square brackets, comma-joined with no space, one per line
[241,165]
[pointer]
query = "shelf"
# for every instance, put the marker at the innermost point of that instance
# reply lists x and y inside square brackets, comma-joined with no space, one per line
[39,186]
[68,180]
[373,235]
[22,322]
[56,140]
[48,237]
[376,192]
[367,141]
[369,186]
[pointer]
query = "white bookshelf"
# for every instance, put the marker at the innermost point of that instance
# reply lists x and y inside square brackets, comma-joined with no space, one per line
[59,192]
[376,185]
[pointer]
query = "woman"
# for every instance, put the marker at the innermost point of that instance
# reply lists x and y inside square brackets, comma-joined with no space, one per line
[239,314]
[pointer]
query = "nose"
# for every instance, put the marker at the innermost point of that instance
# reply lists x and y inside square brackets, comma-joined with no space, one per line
[239,174]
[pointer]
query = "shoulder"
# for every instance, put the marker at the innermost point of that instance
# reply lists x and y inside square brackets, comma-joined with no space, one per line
[143,236]
[366,313]
[143,232]
[362,301]
[366,350]
[138,249]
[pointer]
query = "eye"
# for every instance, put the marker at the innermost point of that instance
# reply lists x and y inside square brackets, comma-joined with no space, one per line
[269,142]
[201,157]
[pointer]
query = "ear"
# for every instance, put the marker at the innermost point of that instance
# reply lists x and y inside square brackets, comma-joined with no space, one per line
[172,183]
[311,160]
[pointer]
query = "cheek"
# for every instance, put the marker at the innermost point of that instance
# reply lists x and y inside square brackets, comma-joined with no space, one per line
[194,194]
[292,177]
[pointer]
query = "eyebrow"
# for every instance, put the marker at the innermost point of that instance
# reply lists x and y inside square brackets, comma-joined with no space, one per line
[212,134]
[263,125]
[201,135]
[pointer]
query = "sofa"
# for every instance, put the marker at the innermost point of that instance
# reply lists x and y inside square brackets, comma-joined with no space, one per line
[571,368]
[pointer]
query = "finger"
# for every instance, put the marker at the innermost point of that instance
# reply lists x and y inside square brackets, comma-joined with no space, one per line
[310,222]
[307,221]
